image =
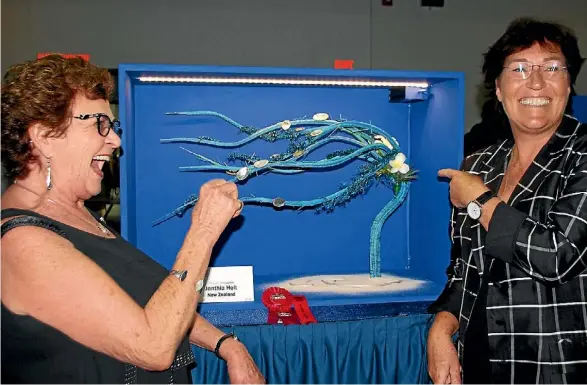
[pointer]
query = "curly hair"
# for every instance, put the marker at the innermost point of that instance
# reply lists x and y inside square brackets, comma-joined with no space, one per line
[521,34]
[43,91]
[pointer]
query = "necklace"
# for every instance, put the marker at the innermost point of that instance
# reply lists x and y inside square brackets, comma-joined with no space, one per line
[97,224]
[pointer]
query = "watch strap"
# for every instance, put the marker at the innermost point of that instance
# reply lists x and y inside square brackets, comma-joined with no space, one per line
[220,341]
[485,197]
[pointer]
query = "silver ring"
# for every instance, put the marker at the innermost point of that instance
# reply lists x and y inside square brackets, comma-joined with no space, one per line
[242,204]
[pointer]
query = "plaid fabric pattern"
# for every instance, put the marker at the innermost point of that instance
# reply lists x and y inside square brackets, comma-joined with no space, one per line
[533,260]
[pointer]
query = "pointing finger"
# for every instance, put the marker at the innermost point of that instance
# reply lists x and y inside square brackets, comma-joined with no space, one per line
[447,173]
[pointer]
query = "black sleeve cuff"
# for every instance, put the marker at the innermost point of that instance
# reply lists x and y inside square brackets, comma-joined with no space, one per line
[449,300]
[500,241]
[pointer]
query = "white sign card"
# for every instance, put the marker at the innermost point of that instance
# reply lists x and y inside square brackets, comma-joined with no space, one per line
[229,284]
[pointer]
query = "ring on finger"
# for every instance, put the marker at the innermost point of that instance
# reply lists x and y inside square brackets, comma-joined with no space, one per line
[241,204]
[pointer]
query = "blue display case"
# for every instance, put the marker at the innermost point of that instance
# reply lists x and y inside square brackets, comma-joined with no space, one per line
[423,111]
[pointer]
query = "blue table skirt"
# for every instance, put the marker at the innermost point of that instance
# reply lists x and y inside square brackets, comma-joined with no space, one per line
[382,350]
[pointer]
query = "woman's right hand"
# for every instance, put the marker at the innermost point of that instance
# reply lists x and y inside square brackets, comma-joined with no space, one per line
[443,360]
[217,204]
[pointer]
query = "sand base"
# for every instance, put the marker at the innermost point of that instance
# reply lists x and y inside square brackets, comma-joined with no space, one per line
[349,284]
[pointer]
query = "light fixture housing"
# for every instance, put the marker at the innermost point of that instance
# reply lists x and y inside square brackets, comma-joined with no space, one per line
[333,82]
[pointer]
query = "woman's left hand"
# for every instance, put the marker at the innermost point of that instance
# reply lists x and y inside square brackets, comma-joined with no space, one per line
[242,369]
[464,187]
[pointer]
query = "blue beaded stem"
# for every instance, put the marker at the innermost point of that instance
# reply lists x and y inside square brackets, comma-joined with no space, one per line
[260,200]
[380,219]
[305,165]
[303,142]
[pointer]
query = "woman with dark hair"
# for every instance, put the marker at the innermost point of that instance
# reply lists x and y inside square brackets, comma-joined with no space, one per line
[79,303]
[517,280]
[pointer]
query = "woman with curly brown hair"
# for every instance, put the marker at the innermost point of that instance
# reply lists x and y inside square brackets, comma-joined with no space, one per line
[79,303]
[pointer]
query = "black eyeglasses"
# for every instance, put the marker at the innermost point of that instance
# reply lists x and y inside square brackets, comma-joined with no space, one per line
[103,123]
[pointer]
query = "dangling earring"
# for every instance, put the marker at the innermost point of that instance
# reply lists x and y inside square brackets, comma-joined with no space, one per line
[48,181]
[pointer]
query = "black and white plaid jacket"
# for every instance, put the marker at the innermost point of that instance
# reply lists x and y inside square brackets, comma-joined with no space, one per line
[534,257]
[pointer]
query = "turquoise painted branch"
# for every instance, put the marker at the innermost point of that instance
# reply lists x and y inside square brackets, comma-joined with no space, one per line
[380,152]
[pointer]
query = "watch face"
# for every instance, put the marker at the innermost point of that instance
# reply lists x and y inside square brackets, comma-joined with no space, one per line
[474,210]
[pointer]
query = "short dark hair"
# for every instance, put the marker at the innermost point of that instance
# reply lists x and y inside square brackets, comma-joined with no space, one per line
[43,91]
[521,34]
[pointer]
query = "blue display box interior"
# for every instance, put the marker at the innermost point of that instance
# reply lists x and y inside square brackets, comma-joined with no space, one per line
[427,121]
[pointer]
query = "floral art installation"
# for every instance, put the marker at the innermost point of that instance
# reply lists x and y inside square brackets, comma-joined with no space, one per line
[383,163]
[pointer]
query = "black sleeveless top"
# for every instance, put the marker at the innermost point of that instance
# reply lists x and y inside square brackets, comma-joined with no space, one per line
[33,352]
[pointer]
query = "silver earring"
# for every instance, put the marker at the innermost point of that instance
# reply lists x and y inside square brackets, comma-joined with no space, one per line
[48,181]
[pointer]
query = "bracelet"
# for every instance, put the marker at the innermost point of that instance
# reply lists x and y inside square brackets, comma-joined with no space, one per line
[221,340]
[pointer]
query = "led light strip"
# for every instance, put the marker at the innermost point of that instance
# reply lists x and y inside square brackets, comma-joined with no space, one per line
[293,82]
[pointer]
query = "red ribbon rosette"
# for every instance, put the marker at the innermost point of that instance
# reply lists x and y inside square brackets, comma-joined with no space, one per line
[285,308]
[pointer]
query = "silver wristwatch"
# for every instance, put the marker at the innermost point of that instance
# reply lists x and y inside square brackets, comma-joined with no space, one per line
[475,208]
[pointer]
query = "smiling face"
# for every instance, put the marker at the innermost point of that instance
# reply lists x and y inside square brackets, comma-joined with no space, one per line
[79,155]
[536,104]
